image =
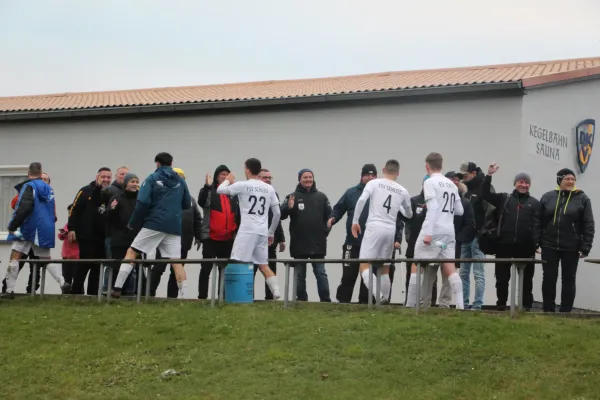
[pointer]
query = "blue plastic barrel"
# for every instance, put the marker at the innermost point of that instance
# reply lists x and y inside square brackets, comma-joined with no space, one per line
[239,283]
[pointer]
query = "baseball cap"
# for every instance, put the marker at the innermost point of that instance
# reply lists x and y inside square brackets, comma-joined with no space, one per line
[452,174]
[465,168]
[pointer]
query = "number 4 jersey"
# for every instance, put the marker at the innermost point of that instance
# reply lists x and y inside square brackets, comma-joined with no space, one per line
[386,199]
[443,203]
[255,198]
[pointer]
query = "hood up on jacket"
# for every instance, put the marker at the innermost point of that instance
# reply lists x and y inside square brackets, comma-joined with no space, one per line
[218,170]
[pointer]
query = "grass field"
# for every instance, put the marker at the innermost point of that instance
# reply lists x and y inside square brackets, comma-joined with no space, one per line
[78,349]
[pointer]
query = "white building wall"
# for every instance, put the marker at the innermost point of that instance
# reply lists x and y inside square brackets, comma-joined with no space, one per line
[559,109]
[333,141]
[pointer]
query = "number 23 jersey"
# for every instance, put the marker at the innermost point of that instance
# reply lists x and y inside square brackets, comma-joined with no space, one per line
[255,198]
[387,199]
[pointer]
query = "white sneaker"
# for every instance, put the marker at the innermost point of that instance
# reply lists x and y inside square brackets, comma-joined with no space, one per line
[383,301]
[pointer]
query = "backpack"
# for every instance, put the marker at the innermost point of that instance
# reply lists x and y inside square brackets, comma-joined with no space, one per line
[489,234]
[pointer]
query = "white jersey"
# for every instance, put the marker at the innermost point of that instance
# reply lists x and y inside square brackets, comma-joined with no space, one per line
[386,199]
[441,195]
[255,198]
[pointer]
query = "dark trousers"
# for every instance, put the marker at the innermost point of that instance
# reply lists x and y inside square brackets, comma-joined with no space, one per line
[503,273]
[88,251]
[158,270]
[350,273]
[211,249]
[568,261]
[29,256]
[273,266]
[68,272]
[434,292]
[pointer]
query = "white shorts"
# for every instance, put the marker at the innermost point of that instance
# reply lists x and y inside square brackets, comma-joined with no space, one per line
[24,246]
[251,248]
[432,251]
[148,241]
[377,243]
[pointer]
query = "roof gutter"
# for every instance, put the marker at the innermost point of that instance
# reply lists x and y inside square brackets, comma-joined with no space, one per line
[327,98]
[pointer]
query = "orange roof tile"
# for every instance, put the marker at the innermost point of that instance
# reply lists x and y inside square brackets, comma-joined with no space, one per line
[528,74]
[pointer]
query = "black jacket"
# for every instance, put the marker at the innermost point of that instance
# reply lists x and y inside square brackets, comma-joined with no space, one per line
[567,221]
[118,218]
[279,235]
[346,204]
[520,215]
[308,222]
[108,193]
[25,206]
[191,226]
[86,217]
[464,225]
[481,208]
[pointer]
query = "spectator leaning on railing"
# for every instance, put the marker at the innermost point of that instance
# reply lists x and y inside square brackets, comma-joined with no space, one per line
[567,225]
[519,234]
[308,210]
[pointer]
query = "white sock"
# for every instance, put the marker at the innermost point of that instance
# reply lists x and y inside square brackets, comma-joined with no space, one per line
[386,286]
[56,274]
[273,286]
[182,287]
[124,272]
[365,275]
[457,290]
[12,273]
[411,300]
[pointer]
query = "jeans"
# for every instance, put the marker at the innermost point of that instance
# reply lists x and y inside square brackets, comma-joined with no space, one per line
[471,250]
[322,281]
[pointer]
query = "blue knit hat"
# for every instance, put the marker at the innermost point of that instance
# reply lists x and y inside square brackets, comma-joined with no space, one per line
[303,170]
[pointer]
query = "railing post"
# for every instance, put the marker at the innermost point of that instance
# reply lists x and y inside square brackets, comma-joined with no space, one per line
[378,286]
[418,302]
[426,292]
[286,287]
[295,284]
[34,267]
[370,287]
[521,270]
[43,280]
[513,290]
[109,285]
[148,282]
[100,280]
[222,284]
[213,284]
[138,295]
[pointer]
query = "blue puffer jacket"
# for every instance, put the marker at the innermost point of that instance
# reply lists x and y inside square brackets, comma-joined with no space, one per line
[161,200]
[34,214]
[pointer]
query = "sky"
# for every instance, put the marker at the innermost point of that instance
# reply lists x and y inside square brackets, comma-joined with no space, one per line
[57,46]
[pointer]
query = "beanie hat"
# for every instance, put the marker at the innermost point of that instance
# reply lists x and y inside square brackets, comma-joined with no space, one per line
[522,176]
[303,170]
[368,169]
[560,175]
[179,172]
[129,177]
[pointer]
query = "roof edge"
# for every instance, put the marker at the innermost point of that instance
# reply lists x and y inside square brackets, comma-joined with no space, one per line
[559,77]
[231,104]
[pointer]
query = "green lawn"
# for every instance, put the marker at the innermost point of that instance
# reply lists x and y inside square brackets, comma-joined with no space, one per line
[78,349]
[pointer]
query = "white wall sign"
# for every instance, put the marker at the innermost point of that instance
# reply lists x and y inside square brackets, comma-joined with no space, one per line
[547,144]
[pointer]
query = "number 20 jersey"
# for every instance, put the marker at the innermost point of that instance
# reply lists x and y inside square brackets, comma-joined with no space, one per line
[255,198]
[445,193]
[387,199]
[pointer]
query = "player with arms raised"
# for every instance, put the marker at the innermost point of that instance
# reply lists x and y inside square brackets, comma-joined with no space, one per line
[436,239]
[254,235]
[387,200]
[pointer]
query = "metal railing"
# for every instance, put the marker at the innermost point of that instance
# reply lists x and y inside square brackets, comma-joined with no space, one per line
[518,266]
